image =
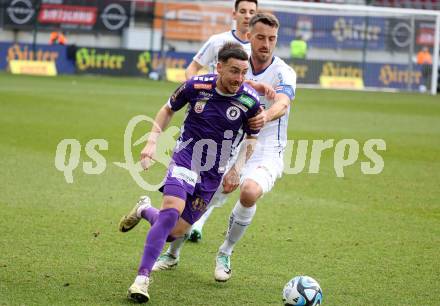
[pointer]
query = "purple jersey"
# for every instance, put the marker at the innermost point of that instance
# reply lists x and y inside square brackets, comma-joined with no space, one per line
[212,126]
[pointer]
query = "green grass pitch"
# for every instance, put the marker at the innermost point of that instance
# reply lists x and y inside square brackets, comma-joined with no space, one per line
[367,239]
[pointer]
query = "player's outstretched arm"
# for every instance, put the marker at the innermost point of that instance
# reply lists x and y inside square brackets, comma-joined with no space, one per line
[263,89]
[231,180]
[279,107]
[192,70]
[162,120]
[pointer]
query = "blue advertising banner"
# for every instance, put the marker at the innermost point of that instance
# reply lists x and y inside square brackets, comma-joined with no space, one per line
[334,32]
[19,51]
[392,76]
[120,62]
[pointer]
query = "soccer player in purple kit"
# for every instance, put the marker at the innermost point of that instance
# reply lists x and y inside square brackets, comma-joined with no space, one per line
[218,107]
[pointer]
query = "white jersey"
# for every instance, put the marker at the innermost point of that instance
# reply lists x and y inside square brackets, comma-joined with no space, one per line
[208,54]
[273,136]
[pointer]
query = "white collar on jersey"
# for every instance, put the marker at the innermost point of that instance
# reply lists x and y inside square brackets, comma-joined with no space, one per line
[261,71]
[237,38]
[224,94]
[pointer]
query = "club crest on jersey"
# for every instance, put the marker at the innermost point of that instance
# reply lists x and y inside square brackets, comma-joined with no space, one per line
[233,112]
[200,106]
[199,205]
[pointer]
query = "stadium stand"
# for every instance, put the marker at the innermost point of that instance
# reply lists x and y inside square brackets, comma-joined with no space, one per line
[415,4]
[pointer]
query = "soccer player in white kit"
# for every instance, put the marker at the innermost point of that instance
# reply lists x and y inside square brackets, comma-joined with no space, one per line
[265,166]
[207,55]
[244,10]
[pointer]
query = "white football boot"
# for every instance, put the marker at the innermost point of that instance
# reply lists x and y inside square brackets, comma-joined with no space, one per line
[223,270]
[134,216]
[165,262]
[138,291]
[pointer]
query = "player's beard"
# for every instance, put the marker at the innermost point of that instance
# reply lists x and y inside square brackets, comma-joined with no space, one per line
[229,86]
[263,58]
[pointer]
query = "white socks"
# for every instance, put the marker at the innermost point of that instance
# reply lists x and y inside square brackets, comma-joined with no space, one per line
[141,208]
[176,245]
[240,219]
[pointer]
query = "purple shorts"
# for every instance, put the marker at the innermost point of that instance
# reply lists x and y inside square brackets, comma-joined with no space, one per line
[180,183]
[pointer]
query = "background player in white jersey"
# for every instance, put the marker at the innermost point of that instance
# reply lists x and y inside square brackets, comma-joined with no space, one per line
[220,197]
[266,164]
[207,55]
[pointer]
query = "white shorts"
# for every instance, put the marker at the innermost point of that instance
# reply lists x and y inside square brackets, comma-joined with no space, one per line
[263,169]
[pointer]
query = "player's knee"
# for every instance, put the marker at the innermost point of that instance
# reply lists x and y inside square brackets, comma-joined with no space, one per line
[250,192]
[173,202]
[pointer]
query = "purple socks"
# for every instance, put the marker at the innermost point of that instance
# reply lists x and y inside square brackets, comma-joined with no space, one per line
[166,220]
[150,214]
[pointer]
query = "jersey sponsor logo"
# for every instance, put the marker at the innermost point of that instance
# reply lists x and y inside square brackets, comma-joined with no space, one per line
[205,95]
[240,106]
[202,86]
[177,92]
[233,113]
[247,101]
[184,174]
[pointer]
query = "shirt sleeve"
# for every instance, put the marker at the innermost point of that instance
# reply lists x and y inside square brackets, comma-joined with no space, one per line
[179,98]
[206,54]
[286,82]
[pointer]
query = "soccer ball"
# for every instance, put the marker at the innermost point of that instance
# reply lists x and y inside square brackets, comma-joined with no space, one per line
[302,291]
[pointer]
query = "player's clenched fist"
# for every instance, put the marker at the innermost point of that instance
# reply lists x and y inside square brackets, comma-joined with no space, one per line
[147,155]
[257,122]
[231,180]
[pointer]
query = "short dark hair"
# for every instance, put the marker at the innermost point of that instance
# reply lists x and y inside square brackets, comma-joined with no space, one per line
[232,50]
[237,2]
[265,18]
